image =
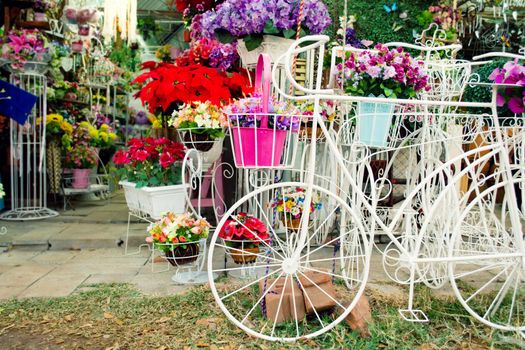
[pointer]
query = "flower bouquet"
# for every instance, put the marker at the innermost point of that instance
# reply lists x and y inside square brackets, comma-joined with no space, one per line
[242,235]
[268,24]
[178,237]
[290,204]
[380,73]
[512,73]
[81,158]
[199,124]
[210,53]
[151,172]
[26,50]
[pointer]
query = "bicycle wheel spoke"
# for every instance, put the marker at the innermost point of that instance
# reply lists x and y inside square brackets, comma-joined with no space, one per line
[326,244]
[331,274]
[247,253]
[262,297]
[481,269]
[499,297]
[309,300]
[516,284]
[321,226]
[323,291]
[276,238]
[259,238]
[250,284]
[244,267]
[294,308]
[279,305]
[485,285]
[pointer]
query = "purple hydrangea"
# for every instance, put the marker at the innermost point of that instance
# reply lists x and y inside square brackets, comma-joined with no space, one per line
[244,17]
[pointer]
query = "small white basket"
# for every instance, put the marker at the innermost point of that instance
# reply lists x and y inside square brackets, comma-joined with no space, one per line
[271,45]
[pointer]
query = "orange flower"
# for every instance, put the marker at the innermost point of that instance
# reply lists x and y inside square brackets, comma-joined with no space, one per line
[175,240]
[182,239]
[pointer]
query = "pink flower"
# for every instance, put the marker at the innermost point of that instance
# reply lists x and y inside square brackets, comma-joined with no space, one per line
[140,155]
[516,105]
[149,239]
[121,158]
[196,230]
[166,159]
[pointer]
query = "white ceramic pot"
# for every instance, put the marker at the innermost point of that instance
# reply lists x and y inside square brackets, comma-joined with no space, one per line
[154,201]
[272,45]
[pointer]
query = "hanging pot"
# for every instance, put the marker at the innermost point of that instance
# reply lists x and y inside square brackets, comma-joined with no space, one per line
[179,256]
[83,29]
[40,17]
[293,224]
[245,256]
[374,120]
[200,142]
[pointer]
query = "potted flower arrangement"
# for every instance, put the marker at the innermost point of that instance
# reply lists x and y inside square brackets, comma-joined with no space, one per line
[290,204]
[380,73]
[242,235]
[210,53]
[164,87]
[512,73]
[200,124]
[26,50]
[327,111]
[445,18]
[81,158]
[150,173]
[178,237]
[263,26]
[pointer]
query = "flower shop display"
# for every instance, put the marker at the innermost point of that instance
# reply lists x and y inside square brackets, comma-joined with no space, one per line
[445,17]
[150,173]
[26,50]
[178,236]
[268,26]
[200,124]
[81,159]
[513,98]
[390,73]
[242,235]
[290,204]
[191,8]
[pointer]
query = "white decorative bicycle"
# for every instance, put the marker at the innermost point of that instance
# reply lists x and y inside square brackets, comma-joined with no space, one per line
[450,224]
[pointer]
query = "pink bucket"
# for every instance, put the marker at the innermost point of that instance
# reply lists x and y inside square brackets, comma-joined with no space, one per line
[80,178]
[256,147]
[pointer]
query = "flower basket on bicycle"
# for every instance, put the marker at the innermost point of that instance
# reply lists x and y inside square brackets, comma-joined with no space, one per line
[263,132]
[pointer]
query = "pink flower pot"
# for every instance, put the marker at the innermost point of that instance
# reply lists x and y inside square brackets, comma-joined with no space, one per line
[80,178]
[40,17]
[83,29]
[255,147]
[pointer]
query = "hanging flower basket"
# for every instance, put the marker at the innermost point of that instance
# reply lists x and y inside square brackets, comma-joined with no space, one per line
[245,255]
[80,178]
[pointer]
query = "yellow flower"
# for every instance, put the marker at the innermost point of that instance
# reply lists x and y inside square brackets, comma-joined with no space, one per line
[54,118]
[93,132]
[104,136]
[66,127]
[112,136]
[104,127]
[289,204]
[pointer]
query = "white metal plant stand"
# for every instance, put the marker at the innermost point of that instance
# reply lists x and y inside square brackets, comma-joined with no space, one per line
[448,227]
[28,156]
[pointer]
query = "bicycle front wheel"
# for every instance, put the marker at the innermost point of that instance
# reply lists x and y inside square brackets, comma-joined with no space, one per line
[275,293]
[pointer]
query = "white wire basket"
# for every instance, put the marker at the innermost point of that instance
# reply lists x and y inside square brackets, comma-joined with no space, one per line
[266,141]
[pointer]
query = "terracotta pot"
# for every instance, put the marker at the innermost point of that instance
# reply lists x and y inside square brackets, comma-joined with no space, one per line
[200,142]
[244,257]
[180,256]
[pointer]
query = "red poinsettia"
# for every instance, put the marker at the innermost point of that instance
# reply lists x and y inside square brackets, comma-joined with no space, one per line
[165,84]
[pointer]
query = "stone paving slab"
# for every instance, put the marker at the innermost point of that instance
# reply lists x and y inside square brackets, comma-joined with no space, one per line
[54,284]
[11,292]
[24,276]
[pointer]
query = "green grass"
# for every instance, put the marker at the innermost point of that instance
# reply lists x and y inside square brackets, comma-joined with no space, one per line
[118,317]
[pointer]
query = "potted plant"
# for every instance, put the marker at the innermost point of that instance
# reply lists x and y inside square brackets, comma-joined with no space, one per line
[290,204]
[266,26]
[150,173]
[178,237]
[382,73]
[26,50]
[242,235]
[81,158]
[327,110]
[200,124]
[164,87]
[513,97]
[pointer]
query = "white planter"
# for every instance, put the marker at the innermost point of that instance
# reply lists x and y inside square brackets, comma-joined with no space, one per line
[272,45]
[154,201]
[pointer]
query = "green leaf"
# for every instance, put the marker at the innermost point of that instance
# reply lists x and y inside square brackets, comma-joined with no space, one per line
[224,36]
[388,92]
[289,33]
[154,181]
[269,28]
[253,41]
